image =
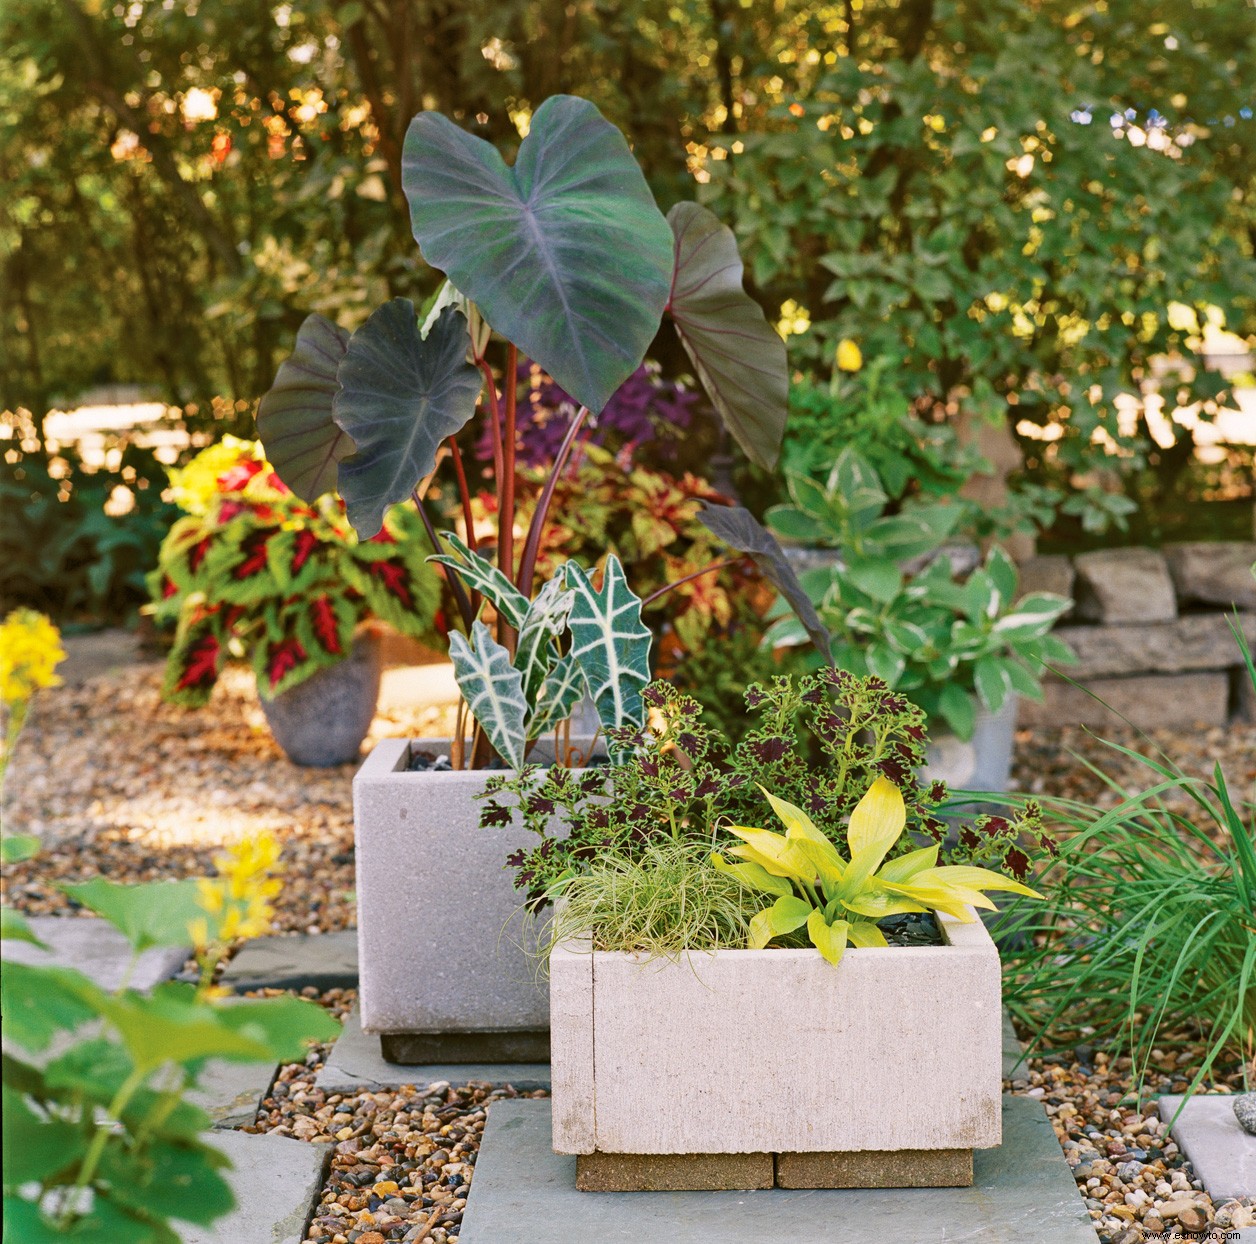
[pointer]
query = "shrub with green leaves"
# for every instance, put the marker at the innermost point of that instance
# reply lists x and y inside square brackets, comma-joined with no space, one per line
[253,571]
[950,644]
[100,1141]
[1148,935]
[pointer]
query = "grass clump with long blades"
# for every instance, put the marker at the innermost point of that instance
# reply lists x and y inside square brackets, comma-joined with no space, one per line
[1147,937]
[667,900]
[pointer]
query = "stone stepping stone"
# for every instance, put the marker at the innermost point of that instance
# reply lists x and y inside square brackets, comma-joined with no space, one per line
[324,960]
[276,1181]
[523,1192]
[356,1065]
[230,1093]
[96,949]
[1222,1153]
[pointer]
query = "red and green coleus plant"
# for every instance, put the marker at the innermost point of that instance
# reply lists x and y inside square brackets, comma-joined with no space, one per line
[253,571]
[563,259]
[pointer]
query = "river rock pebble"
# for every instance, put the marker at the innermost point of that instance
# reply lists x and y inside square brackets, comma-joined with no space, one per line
[1245,1112]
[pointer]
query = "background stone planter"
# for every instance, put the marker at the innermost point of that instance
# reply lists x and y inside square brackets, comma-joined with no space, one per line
[786,1066]
[983,762]
[446,967]
[323,720]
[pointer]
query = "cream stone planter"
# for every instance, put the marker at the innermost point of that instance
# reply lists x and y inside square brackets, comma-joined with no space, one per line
[883,1071]
[446,959]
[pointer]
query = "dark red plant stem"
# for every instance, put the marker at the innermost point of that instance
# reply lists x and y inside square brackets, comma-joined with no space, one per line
[506,482]
[468,519]
[494,419]
[697,574]
[532,547]
[460,593]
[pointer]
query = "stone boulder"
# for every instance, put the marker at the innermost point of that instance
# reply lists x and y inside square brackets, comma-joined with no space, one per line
[1214,573]
[1124,585]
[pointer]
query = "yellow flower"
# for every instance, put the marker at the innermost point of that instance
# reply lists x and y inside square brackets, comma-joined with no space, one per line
[237,901]
[849,356]
[30,651]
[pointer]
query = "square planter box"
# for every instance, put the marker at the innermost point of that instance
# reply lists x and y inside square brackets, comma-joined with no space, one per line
[444,962]
[883,1071]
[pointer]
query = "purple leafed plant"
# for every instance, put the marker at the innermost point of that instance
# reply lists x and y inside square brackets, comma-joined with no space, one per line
[644,408]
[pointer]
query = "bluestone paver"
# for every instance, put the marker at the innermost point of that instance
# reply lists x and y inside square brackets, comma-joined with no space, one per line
[276,1181]
[1222,1153]
[324,960]
[524,1193]
[356,1064]
[96,949]
[230,1093]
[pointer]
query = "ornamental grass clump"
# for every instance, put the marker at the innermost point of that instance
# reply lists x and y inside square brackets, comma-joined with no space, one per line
[1147,938]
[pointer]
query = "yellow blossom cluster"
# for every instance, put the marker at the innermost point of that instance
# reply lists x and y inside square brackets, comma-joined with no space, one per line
[237,902]
[849,355]
[30,650]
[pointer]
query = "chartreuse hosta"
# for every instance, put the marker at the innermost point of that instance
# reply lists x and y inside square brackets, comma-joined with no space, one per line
[838,900]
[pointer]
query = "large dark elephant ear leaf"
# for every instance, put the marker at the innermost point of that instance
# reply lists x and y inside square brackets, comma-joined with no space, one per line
[739,529]
[294,419]
[566,254]
[400,396]
[738,355]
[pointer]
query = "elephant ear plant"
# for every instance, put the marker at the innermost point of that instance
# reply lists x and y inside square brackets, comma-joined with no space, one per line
[565,259]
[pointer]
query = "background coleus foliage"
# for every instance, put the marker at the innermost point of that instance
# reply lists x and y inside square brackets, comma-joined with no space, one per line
[253,571]
[650,519]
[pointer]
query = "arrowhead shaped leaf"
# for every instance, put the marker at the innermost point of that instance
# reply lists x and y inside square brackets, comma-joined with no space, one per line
[294,419]
[493,690]
[482,576]
[739,529]
[738,355]
[400,396]
[562,687]
[566,254]
[535,652]
[609,643]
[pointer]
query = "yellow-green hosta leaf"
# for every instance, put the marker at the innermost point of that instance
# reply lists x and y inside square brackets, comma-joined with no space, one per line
[952,899]
[828,939]
[825,862]
[907,866]
[773,851]
[784,916]
[979,879]
[797,823]
[877,903]
[866,934]
[875,825]
[754,875]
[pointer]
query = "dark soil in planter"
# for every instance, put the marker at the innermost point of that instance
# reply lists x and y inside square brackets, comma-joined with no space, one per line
[917,928]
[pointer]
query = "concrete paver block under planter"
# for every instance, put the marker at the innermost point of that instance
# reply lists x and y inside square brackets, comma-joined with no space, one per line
[1150,701]
[777,1051]
[524,1193]
[1124,585]
[276,1181]
[1222,1153]
[355,1064]
[96,949]
[324,960]
[443,944]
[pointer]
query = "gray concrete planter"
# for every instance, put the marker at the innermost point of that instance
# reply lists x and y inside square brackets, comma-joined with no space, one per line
[323,720]
[983,762]
[447,969]
[883,1071]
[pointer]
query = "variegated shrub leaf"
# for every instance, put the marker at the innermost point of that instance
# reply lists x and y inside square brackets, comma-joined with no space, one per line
[557,699]
[482,576]
[609,643]
[493,690]
[546,619]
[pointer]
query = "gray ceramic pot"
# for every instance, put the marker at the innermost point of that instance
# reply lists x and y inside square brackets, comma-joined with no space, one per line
[323,720]
[984,762]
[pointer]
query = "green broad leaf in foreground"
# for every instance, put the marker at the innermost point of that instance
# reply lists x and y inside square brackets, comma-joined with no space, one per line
[566,254]
[400,395]
[609,642]
[153,914]
[15,927]
[493,690]
[38,1002]
[286,1025]
[738,355]
[294,418]
[36,1149]
[14,848]
[739,529]
[169,1181]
